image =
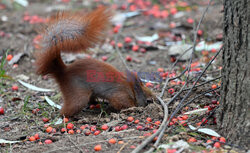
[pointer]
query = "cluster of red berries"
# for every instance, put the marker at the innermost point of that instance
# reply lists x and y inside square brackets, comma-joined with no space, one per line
[33,19]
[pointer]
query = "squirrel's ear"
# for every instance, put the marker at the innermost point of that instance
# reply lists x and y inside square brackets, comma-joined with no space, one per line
[139,94]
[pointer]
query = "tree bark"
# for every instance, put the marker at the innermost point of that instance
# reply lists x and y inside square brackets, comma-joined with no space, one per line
[234,114]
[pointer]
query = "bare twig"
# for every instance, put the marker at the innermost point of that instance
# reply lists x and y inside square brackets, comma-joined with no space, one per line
[150,138]
[189,67]
[189,92]
[117,49]
[203,83]
[94,142]
[210,90]
[171,69]
[123,146]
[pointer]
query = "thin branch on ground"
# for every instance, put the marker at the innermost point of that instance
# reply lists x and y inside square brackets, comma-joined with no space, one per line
[190,90]
[190,101]
[123,146]
[203,83]
[171,69]
[94,142]
[189,67]
[150,138]
[116,47]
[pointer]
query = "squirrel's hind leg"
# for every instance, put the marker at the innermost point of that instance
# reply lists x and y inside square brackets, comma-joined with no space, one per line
[76,102]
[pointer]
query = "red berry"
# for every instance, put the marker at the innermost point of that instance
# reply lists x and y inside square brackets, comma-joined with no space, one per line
[98,106]
[78,131]
[112,43]
[147,134]
[222,139]
[105,127]
[158,122]
[164,14]
[132,146]
[214,86]
[149,84]
[209,141]
[37,136]
[185,117]
[98,148]
[190,20]
[199,123]
[112,141]
[214,101]
[9,57]
[160,70]
[104,58]
[192,139]
[129,58]
[120,142]
[32,138]
[87,132]
[93,128]
[183,123]
[48,141]
[130,119]
[120,45]
[135,48]
[172,25]
[92,107]
[127,40]
[149,119]
[171,150]
[65,120]
[1,111]
[217,145]
[49,129]
[139,127]
[174,119]
[83,127]
[124,127]
[171,90]
[14,88]
[214,138]
[136,121]
[71,132]
[117,128]
[143,50]
[116,29]
[171,123]
[213,50]
[15,66]
[34,111]
[70,126]
[63,130]
[199,32]
[173,11]
[45,119]
[204,120]
[97,132]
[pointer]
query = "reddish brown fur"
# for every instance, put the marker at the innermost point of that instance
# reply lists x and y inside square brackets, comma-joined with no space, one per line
[72,33]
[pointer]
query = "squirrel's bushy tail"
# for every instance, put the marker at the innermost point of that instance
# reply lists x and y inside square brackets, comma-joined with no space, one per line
[71,33]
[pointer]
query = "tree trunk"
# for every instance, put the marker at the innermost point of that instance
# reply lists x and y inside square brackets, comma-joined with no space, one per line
[234,113]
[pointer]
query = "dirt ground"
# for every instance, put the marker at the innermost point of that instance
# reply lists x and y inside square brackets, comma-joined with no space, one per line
[19,123]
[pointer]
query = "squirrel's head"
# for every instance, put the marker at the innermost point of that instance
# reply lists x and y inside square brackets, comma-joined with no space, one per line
[143,94]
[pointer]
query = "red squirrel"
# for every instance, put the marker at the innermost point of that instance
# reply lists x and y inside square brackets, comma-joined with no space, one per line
[76,32]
